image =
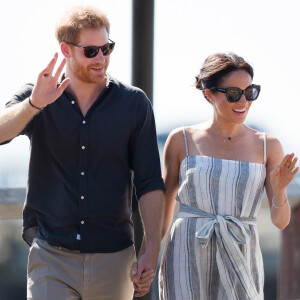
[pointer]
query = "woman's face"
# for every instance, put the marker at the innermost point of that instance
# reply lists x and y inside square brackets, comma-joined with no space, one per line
[224,110]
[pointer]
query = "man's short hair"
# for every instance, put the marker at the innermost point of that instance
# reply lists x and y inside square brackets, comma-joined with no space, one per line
[79,18]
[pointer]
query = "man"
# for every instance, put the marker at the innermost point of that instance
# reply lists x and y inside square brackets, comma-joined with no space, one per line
[92,138]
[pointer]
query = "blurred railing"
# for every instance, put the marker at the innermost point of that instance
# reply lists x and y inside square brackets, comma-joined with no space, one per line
[12,200]
[11,203]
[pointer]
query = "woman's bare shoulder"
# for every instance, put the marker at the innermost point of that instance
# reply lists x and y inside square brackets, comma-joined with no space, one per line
[175,139]
[271,140]
[274,148]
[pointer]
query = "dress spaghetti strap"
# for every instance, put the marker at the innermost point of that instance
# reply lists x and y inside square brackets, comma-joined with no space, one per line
[186,146]
[185,141]
[265,148]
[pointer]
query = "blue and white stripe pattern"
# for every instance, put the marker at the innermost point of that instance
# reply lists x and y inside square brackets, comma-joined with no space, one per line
[212,251]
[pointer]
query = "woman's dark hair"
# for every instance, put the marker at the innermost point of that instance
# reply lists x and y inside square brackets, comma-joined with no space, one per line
[217,66]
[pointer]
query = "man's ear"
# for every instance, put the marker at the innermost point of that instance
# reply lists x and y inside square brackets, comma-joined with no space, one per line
[65,50]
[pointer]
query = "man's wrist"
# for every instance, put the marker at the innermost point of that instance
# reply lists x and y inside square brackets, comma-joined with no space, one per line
[32,105]
[152,251]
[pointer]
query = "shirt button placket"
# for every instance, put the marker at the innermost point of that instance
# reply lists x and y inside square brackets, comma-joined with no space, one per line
[83,167]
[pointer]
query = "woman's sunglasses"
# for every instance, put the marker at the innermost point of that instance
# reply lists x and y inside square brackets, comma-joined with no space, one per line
[234,94]
[92,51]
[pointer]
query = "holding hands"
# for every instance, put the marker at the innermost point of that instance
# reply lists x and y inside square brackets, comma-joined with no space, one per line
[46,89]
[141,282]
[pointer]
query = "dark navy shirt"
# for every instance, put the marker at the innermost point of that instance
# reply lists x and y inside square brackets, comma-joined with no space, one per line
[82,169]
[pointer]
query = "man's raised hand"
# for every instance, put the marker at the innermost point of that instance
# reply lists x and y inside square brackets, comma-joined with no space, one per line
[46,89]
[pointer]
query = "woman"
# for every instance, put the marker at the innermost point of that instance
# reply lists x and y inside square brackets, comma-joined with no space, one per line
[212,250]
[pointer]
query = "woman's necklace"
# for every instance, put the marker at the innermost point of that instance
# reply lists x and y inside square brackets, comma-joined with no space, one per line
[227,139]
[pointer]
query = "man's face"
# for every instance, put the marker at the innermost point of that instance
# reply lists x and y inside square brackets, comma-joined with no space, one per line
[90,70]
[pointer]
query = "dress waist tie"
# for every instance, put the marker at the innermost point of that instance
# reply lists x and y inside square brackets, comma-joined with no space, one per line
[230,231]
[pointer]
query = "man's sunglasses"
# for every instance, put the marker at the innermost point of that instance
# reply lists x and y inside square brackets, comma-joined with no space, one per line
[92,51]
[234,94]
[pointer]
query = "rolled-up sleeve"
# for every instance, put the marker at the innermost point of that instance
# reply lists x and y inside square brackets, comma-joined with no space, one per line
[144,152]
[23,93]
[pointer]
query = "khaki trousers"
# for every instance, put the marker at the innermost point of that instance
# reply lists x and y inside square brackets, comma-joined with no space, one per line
[55,273]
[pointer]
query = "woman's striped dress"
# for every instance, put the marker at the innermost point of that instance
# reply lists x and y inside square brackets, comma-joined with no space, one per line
[212,251]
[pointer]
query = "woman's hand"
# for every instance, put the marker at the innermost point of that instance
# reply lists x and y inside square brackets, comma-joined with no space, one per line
[284,173]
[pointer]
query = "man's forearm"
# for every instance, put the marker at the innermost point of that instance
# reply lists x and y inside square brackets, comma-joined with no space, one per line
[152,210]
[14,119]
